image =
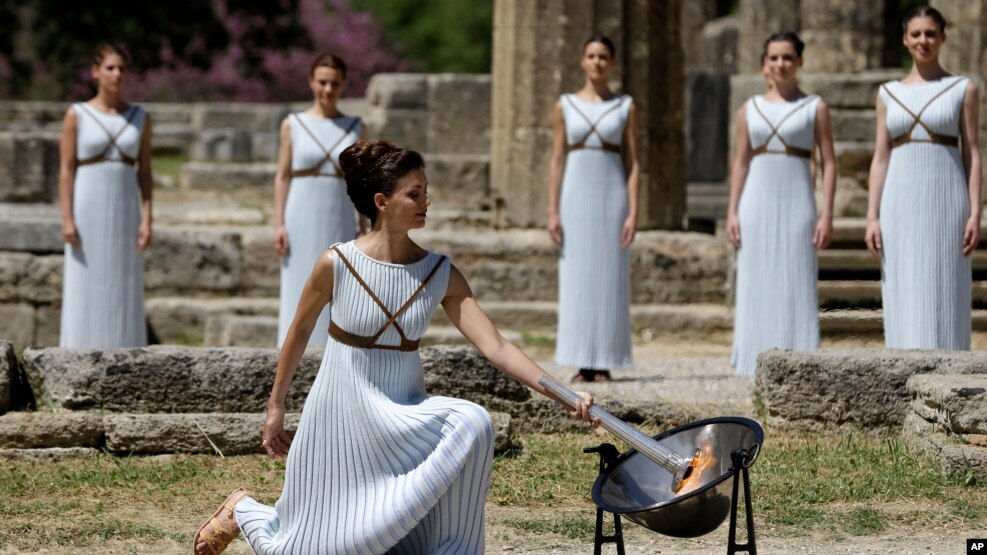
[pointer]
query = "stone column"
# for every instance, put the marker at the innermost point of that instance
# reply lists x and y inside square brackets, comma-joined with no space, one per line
[841,36]
[966,36]
[536,58]
[758,20]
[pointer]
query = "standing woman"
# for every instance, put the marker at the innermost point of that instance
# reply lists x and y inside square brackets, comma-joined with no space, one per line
[594,219]
[772,213]
[104,224]
[923,216]
[311,209]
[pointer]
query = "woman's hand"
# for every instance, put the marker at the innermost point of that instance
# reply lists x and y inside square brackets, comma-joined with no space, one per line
[280,240]
[581,412]
[733,230]
[628,231]
[823,234]
[69,233]
[276,440]
[971,236]
[555,229]
[144,234]
[872,237]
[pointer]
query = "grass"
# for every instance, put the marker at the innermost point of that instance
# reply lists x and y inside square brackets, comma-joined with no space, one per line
[169,164]
[842,487]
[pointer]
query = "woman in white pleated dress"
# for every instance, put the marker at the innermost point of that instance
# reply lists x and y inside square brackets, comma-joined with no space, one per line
[105,157]
[376,465]
[771,218]
[592,217]
[311,209]
[923,218]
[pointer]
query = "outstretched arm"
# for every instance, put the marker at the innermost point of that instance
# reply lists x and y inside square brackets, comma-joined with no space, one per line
[465,313]
[316,294]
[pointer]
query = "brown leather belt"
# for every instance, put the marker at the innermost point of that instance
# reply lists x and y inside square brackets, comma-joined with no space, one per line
[789,150]
[124,159]
[934,138]
[364,342]
[605,146]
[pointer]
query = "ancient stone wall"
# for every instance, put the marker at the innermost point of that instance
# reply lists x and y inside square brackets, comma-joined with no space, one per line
[536,55]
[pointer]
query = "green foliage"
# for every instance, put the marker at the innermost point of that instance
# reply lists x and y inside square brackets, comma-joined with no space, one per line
[441,36]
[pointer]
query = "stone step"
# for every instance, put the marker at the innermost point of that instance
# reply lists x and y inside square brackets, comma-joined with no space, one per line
[862,291]
[860,259]
[958,460]
[955,402]
[219,175]
[126,433]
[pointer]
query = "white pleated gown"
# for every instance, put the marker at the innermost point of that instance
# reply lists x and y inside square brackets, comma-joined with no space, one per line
[594,329]
[103,288]
[926,281]
[376,466]
[317,213]
[777,301]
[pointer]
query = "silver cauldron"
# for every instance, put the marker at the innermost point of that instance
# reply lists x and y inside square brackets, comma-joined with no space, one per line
[637,488]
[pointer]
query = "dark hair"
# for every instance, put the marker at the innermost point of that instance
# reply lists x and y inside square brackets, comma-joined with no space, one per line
[604,40]
[371,168]
[105,49]
[783,36]
[924,11]
[330,60]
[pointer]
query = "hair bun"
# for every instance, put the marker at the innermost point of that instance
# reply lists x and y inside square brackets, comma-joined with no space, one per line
[362,157]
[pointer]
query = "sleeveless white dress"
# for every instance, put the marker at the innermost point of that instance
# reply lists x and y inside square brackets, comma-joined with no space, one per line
[103,288]
[594,329]
[926,282]
[777,304]
[376,465]
[317,212]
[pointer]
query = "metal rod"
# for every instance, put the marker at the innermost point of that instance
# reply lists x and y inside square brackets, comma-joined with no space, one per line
[679,466]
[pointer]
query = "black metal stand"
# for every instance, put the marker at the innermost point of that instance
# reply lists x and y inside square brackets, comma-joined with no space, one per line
[741,460]
[608,454]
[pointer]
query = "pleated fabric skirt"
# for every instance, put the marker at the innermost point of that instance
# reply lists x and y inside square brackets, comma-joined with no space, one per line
[594,328]
[377,467]
[926,282]
[103,287]
[777,301]
[317,214]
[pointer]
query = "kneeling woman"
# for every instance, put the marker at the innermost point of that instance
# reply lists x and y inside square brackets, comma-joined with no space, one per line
[376,465]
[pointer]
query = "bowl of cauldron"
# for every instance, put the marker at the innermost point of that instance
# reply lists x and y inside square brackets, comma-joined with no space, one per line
[636,488]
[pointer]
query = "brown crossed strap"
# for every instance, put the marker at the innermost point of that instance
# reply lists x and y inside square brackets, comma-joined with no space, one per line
[102,157]
[370,342]
[609,147]
[789,149]
[317,169]
[934,137]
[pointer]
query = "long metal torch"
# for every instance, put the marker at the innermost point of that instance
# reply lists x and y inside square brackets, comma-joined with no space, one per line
[680,467]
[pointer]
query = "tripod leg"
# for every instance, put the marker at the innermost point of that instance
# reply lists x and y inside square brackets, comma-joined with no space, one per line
[618,534]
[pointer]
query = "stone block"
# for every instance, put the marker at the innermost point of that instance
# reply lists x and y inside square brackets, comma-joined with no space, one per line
[955,458]
[464,373]
[28,166]
[171,138]
[858,389]
[850,200]
[261,265]
[720,40]
[459,181]
[758,19]
[25,277]
[194,379]
[32,430]
[193,260]
[184,320]
[403,91]
[458,114]
[222,145]
[503,426]
[33,228]
[853,159]
[231,433]
[220,175]
[49,454]
[855,126]
[957,402]
[402,127]
[16,326]
[545,416]
[229,330]
[47,325]
[707,105]
[243,117]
